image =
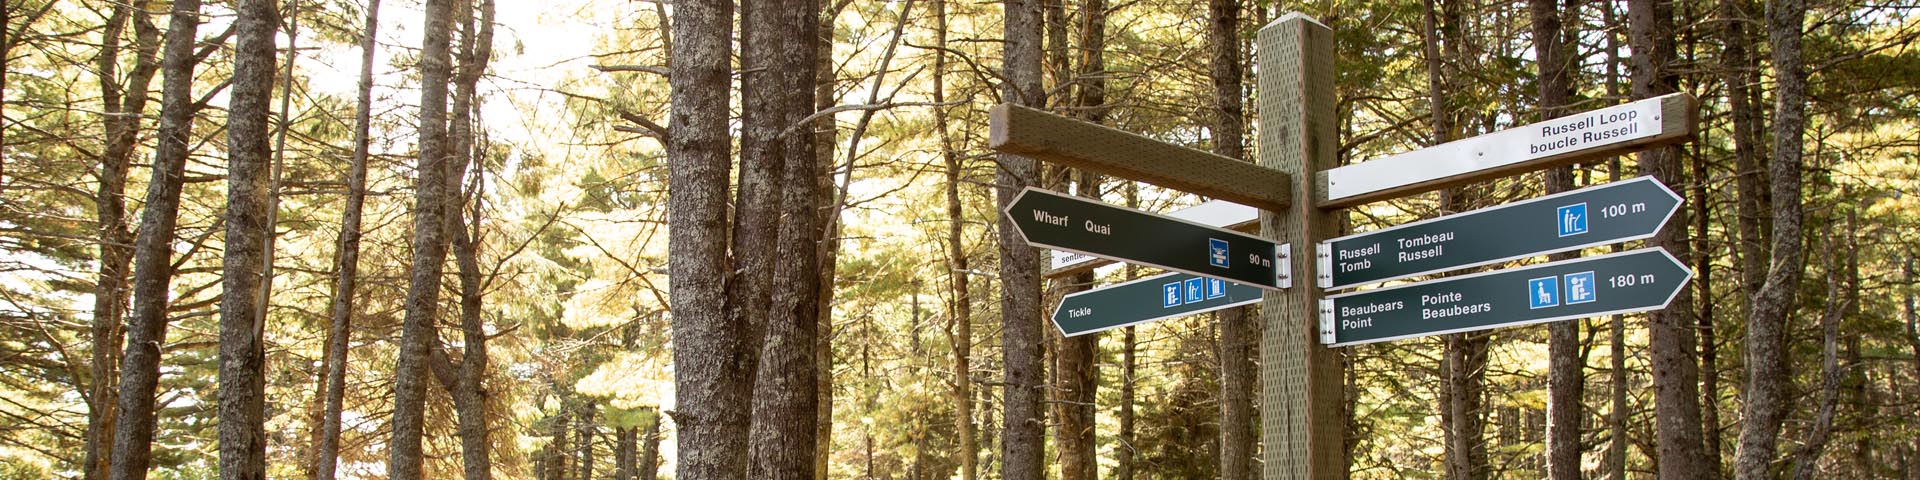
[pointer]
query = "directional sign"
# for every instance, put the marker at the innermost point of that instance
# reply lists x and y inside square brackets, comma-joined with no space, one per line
[1064,222]
[1592,216]
[1146,300]
[1212,213]
[1560,141]
[1644,279]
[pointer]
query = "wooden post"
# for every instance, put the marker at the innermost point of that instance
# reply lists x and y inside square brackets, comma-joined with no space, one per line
[1300,396]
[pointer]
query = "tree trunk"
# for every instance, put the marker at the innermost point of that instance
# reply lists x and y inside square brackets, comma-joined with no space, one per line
[589,428]
[1565,367]
[121,105]
[960,332]
[825,136]
[153,249]
[650,450]
[243,436]
[1768,376]
[785,400]
[347,257]
[623,453]
[1126,451]
[1739,74]
[1462,414]
[1676,376]
[712,363]
[558,452]
[467,382]
[1807,457]
[429,247]
[1237,334]
[1616,461]
[1021,443]
[1078,372]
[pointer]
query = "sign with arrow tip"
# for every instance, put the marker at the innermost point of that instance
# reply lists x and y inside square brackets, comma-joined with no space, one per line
[1588,217]
[1148,299]
[1627,282]
[1075,224]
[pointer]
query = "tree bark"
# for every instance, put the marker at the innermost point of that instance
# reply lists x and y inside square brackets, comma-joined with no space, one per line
[1807,457]
[1739,73]
[785,400]
[1565,367]
[650,450]
[712,363]
[1078,372]
[589,428]
[153,249]
[825,136]
[1021,443]
[242,403]
[347,257]
[623,453]
[467,385]
[1616,461]
[123,106]
[1766,354]
[429,247]
[1676,376]
[1237,334]
[960,331]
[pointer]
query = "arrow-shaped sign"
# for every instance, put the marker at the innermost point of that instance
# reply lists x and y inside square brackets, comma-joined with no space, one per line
[1212,213]
[1588,217]
[1644,279]
[1146,300]
[1064,222]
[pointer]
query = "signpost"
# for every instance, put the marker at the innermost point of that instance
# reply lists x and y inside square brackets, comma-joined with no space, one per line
[1302,390]
[1626,282]
[1592,216]
[1065,222]
[1562,141]
[1212,213]
[1146,300]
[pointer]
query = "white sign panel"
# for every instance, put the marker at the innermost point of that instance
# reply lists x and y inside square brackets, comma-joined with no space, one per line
[1573,133]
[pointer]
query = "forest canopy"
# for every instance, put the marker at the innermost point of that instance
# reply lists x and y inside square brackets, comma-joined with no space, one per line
[765,239]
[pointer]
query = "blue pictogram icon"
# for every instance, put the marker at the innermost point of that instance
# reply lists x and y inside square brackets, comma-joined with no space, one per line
[1543,292]
[1217,252]
[1170,295]
[1196,291]
[1216,288]
[1580,287]
[1572,219]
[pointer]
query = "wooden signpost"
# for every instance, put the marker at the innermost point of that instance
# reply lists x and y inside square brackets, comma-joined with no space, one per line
[1300,376]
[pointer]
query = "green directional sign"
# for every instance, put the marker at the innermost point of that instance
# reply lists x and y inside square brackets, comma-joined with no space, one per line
[1592,216]
[1146,300]
[1075,224]
[1644,279]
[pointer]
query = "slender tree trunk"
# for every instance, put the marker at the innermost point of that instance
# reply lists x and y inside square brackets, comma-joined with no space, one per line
[1237,335]
[960,333]
[1709,343]
[589,428]
[1768,377]
[468,375]
[429,247]
[825,136]
[785,397]
[650,450]
[1465,358]
[1739,75]
[1616,461]
[153,252]
[623,452]
[1676,376]
[1078,372]
[1806,458]
[123,107]
[1021,443]
[347,257]
[712,362]
[559,451]
[1565,367]
[243,436]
